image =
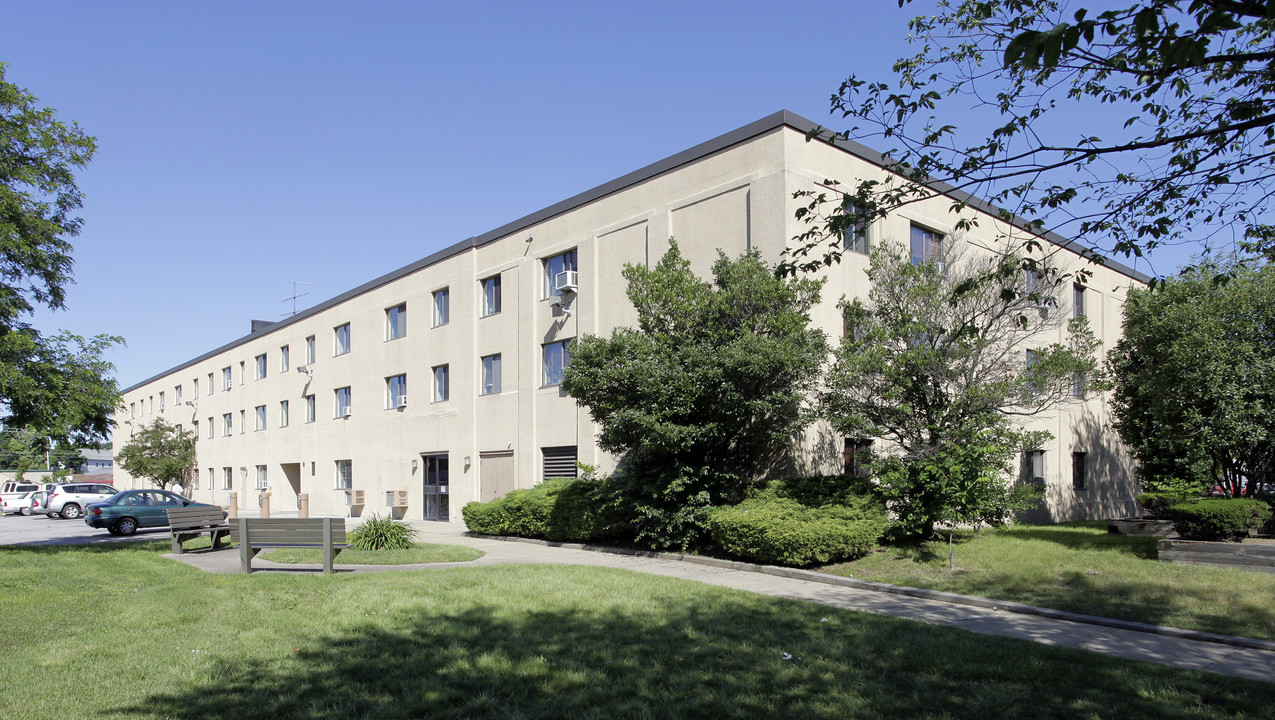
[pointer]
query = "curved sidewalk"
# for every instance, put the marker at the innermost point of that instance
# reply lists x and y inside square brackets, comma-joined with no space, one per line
[1238,657]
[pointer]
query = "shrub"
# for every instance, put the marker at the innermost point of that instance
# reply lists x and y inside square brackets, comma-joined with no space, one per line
[1218,518]
[575,509]
[781,531]
[383,533]
[1157,503]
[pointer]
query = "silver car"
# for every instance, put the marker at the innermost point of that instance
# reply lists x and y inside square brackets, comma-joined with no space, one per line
[68,501]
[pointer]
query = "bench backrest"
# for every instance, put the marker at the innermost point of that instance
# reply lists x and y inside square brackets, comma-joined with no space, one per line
[185,517]
[277,531]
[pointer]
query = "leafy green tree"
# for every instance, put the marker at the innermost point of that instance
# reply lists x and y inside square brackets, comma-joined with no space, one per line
[705,396]
[1194,378]
[160,453]
[58,388]
[1179,146]
[942,369]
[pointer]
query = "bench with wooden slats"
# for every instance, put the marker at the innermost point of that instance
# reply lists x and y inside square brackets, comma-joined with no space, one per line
[253,535]
[188,523]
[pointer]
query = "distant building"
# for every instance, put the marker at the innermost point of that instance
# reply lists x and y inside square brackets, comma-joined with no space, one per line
[442,378]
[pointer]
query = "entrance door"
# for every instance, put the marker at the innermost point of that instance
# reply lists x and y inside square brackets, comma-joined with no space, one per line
[436,487]
[495,474]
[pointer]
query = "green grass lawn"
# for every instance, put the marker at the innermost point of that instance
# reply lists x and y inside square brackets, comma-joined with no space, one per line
[1082,568]
[116,631]
[421,553]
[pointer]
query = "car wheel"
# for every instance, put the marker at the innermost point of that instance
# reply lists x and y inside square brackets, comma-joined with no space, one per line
[25,511]
[70,511]
[126,526]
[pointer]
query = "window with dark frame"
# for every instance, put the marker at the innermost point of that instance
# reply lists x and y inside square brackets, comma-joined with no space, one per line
[1078,479]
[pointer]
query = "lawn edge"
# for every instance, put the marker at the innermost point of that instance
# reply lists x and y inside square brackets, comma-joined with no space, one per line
[936,595]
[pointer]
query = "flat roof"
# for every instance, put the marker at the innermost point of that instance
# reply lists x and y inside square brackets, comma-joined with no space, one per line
[780,119]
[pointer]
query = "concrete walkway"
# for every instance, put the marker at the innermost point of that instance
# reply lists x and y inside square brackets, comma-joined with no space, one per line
[1238,657]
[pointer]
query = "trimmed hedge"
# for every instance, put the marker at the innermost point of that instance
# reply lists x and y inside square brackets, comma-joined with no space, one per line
[572,509]
[1158,503]
[781,531]
[1218,518]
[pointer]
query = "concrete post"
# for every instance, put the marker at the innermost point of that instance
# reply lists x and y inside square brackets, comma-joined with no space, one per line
[233,499]
[303,505]
[265,504]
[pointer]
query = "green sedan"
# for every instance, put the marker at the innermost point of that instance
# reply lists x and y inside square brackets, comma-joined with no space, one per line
[124,512]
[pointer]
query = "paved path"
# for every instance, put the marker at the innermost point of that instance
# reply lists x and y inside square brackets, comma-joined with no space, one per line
[1239,657]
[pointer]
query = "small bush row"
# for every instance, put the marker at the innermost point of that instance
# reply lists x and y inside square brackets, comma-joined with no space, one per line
[797,521]
[1218,518]
[558,509]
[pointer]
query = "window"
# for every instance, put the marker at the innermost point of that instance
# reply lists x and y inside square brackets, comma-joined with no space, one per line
[243,421]
[1077,471]
[491,374]
[309,408]
[559,462]
[926,245]
[343,402]
[210,428]
[442,388]
[344,475]
[1034,466]
[396,391]
[227,380]
[309,350]
[194,482]
[195,388]
[1077,301]
[491,295]
[283,359]
[1078,385]
[442,307]
[243,371]
[227,423]
[177,395]
[856,455]
[210,383]
[342,339]
[396,322]
[212,478]
[557,358]
[283,413]
[161,402]
[227,478]
[261,417]
[179,428]
[556,264]
[261,478]
[854,236]
[261,366]
[195,428]
[132,411]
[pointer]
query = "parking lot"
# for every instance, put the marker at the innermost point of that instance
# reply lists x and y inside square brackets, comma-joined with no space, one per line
[40,530]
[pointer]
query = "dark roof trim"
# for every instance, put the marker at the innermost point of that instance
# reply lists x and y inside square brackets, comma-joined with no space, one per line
[783,118]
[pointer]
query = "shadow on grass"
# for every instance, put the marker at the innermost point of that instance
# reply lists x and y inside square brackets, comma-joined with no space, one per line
[691,657]
[1084,537]
[160,542]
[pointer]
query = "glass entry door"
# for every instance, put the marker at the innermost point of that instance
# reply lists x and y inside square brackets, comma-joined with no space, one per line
[436,486]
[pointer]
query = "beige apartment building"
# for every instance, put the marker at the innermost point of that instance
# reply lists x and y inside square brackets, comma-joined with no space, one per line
[438,383]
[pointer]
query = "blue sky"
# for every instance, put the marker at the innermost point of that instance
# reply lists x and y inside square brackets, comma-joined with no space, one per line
[247,145]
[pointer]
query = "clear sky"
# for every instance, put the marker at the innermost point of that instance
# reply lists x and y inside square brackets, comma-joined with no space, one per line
[247,145]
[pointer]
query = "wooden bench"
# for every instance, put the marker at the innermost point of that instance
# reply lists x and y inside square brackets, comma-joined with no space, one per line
[188,523]
[253,535]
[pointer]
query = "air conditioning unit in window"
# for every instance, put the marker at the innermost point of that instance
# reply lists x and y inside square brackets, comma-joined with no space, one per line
[396,499]
[400,401]
[344,412]
[353,497]
[565,281]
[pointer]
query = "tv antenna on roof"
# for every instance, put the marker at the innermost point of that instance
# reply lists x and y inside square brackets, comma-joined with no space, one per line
[294,297]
